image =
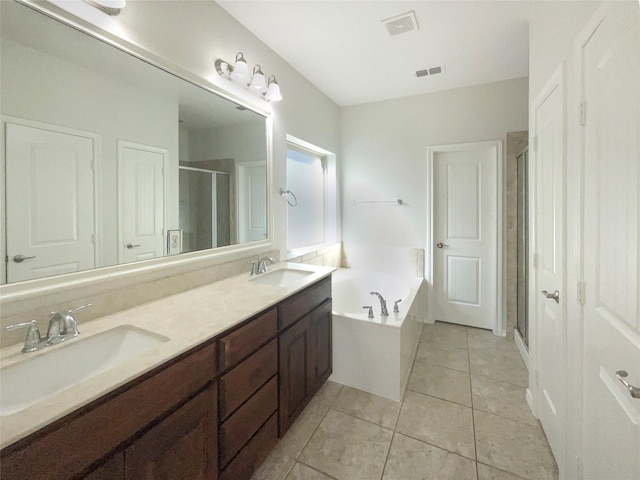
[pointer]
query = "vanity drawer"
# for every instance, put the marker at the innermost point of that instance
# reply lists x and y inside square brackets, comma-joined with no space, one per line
[254,453]
[240,343]
[236,431]
[302,303]
[240,383]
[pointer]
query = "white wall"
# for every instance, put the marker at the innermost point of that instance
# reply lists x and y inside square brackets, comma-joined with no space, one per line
[384,154]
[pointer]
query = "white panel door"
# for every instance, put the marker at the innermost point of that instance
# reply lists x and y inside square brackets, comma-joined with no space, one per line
[465,234]
[611,69]
[252,202]
[141,197]
[50,201]
[548,161]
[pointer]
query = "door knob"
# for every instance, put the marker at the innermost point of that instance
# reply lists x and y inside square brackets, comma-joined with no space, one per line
[131,245]
[21,258]
[555,295]
[633,390]
[440,245]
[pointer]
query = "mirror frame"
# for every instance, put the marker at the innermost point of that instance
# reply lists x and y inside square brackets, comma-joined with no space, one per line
[13,295]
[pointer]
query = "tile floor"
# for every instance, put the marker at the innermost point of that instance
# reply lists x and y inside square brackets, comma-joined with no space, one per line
[463,416]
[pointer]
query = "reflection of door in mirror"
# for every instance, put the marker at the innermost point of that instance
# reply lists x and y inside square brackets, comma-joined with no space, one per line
[141,196]
[252,215]
[50,200]
[205,216]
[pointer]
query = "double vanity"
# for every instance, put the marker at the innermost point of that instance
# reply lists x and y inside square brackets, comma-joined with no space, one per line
[196,385]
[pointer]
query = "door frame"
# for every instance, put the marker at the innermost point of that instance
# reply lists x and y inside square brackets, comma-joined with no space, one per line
[499,325]
[121,145]
[96,138]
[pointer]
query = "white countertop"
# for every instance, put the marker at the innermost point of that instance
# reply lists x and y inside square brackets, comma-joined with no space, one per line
[188,319]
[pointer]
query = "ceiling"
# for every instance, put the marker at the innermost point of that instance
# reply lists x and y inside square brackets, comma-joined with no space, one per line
[344,49]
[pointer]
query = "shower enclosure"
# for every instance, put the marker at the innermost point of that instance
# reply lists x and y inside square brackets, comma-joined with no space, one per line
[523,246]
[205,210]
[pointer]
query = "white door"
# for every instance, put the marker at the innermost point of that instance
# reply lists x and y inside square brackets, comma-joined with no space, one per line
[252,202]
[50,201]
[548,162]
[141,196]
[611,69]
[465,234]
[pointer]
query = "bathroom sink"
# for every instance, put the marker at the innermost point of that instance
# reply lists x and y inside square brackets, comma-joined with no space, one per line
[60,367]
[283,277]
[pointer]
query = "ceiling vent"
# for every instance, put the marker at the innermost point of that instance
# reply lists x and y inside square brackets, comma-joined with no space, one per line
[426,72]
[401,23]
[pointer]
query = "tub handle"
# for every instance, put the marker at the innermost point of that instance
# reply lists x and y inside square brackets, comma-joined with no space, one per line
[395,306]
[370,307]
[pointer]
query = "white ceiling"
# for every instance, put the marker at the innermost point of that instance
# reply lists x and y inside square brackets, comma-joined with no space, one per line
[344,49]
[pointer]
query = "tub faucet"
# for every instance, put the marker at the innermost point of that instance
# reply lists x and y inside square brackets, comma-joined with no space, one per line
[383,304]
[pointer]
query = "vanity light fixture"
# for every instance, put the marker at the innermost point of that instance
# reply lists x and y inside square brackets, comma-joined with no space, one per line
[239,73]
[110,7]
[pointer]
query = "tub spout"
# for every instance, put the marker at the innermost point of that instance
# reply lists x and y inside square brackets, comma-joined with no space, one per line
[383,304]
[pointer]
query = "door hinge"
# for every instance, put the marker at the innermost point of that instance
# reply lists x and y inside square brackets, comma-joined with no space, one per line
[581,293]
[535,142]
[535,260]
[537,378]
[93,238]
[583,113]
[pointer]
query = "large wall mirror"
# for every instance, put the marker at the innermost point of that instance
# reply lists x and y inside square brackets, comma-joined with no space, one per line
[110,160]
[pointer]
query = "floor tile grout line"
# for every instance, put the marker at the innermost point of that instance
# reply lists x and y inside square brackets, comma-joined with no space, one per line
[473,412]
[315,469]
[386,458]
[440,447]
[501,470]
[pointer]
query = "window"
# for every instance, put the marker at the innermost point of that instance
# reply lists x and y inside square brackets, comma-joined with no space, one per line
[311,178]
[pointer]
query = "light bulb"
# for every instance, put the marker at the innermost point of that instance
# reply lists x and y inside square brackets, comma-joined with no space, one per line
[258,83]
[273,92]
[240,69]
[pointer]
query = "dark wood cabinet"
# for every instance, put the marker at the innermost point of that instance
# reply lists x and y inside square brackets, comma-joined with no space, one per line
[295,371]
[305,355]
[213,412]
[321,335]
[184,445]
[112,469]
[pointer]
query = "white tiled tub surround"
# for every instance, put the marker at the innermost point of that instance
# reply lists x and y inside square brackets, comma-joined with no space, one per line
[187,319]
[375,355]
[330,256]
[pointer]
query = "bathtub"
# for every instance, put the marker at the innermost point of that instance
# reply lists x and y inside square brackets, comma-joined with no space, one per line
[375,354]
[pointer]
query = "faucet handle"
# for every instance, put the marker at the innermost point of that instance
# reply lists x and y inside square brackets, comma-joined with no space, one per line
[370,307]
[18,326]
[33,338]
[81,307]
[395,306]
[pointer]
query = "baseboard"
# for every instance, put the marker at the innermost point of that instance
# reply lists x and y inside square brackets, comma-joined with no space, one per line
[522,348]
[529,398]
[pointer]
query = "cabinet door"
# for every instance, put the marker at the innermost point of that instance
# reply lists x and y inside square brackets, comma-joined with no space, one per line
[183,446]
[321,354]
[295,371]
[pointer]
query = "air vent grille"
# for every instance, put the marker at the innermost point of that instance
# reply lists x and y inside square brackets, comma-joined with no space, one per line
[426,72]
[401,23]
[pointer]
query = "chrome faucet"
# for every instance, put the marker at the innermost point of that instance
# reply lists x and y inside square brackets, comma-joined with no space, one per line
[62,326]
[262,264]
[383,304]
